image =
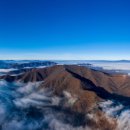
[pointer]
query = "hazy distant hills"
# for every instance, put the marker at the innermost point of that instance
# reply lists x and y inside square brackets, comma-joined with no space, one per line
[7,64]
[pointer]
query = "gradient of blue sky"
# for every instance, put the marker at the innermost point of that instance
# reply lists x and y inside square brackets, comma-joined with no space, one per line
[65,29]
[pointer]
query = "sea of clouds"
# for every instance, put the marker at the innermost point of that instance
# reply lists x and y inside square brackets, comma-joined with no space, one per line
[23,106]
[118,111]
[118,66]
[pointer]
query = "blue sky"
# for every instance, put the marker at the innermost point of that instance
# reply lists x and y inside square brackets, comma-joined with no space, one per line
[65,29]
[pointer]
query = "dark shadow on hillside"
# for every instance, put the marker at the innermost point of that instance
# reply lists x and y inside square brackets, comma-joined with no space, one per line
[100,91]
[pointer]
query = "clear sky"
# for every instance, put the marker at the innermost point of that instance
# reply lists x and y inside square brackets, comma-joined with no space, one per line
[65,29]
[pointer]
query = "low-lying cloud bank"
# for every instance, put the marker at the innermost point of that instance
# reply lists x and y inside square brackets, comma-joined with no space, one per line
[24,107]
[119,112]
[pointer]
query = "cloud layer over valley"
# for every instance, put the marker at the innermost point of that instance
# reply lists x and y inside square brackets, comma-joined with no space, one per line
[23,106]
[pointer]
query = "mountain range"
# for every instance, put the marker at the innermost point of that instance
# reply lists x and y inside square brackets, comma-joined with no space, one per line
[84,89]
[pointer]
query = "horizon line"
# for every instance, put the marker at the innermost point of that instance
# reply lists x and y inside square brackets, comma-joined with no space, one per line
[66,59]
